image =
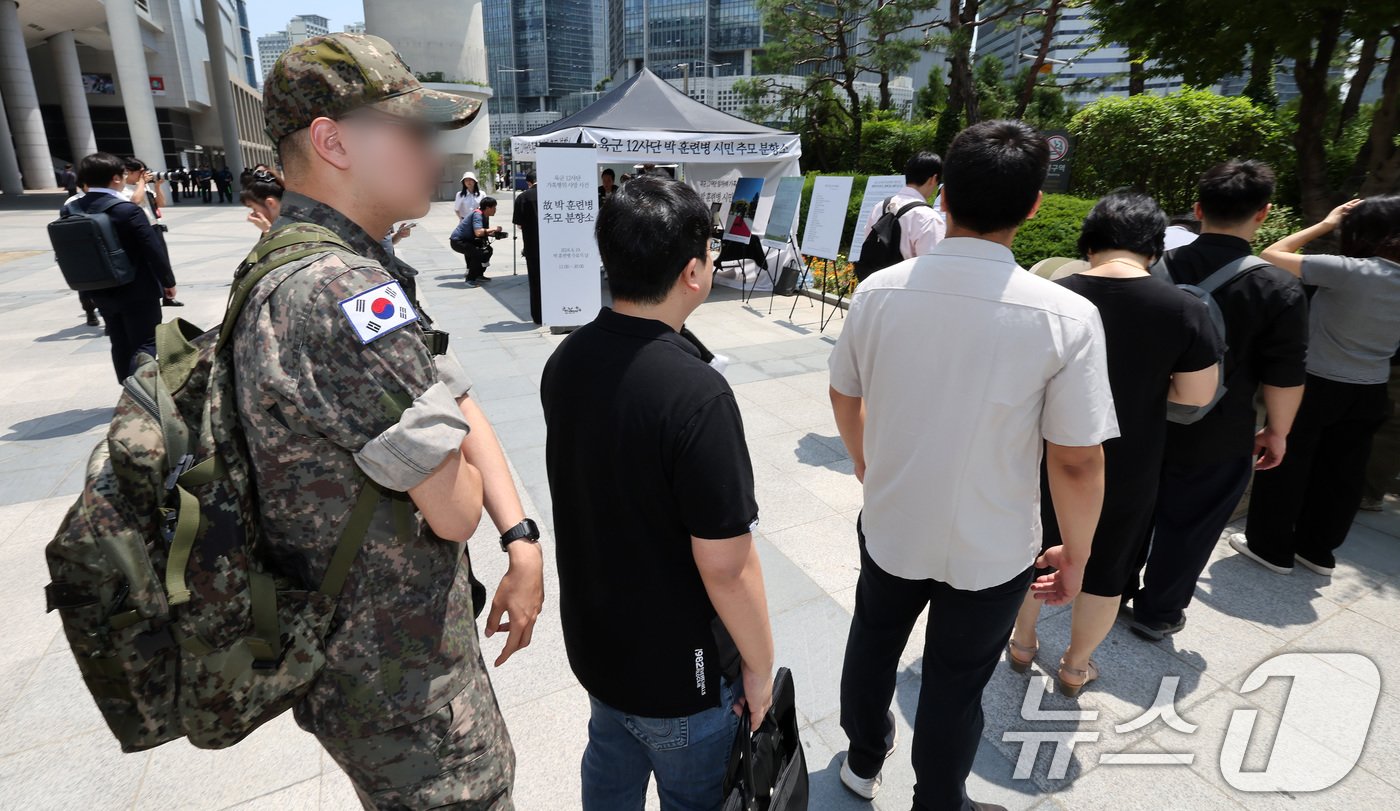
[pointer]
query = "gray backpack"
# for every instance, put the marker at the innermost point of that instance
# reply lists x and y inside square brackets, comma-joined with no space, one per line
[1184,414]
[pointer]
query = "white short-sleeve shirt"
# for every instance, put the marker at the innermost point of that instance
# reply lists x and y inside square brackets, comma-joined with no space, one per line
[967,364]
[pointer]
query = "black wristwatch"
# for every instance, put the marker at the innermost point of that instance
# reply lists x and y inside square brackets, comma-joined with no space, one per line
[526,530]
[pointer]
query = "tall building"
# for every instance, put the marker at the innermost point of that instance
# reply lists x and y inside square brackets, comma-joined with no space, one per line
[703,46]
[355,28]
[447,52]
[299,29]
[544,57]
[708,37]
[245,39]
[165,80]
[1076,55]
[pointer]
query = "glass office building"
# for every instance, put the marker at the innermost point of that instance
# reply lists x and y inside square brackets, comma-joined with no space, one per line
[543,61]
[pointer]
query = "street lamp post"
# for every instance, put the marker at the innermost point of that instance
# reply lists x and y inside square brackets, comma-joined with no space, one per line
[685,75]
[515,111]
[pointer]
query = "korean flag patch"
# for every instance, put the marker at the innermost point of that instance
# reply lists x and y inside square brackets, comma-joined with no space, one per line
[378,311]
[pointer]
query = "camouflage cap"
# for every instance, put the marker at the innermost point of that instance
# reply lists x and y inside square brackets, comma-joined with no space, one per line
[335,74]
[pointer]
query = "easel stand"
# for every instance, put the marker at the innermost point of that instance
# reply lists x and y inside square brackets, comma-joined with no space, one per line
[773,282]
[801,279]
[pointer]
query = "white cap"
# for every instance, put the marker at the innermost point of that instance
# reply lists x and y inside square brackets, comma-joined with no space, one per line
[471,175]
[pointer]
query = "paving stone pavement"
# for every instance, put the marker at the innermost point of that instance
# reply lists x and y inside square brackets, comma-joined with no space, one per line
[58,390]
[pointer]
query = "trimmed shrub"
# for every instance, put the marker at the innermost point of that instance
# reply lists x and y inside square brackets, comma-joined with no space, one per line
[1054,231]
[1161,144]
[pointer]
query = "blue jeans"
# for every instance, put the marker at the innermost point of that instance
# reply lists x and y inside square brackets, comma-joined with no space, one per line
[688,755]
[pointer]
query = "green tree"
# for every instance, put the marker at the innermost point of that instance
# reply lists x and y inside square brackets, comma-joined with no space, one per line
[931,98]
[1203,41]
[994,95]
[839,41]
[1161,144]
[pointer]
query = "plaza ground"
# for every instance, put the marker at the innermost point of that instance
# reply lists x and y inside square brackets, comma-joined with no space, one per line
[55,752]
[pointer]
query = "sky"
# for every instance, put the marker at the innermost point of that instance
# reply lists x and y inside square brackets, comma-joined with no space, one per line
[267,16]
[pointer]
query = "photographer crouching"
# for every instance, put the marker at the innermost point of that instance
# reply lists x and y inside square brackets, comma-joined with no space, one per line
[472,238]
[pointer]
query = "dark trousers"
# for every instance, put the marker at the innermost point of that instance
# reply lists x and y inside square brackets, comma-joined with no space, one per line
[475,269]
[967,631]
[1194,503]
[1305,506]
[532,273]
[1385,446]
[131,326]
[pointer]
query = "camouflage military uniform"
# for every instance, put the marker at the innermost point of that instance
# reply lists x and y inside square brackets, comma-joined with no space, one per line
[404,703]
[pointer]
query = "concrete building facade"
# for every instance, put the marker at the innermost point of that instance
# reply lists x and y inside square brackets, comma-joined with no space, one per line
[448,53]
[165,80]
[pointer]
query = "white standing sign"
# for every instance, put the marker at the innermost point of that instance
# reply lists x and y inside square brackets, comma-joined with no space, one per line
[877,189]
[570,282]
[826,216]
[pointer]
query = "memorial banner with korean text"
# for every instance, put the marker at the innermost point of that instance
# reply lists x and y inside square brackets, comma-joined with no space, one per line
[570,280]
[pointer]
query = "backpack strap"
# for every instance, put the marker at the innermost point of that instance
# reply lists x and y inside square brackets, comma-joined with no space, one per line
[352,535]
[312,240]
[1230,272]
[904,208]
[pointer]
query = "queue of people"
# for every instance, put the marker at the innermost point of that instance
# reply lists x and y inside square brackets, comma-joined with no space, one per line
[1046,403]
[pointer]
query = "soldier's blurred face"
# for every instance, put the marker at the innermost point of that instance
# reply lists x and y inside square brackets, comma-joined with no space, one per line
[394,160]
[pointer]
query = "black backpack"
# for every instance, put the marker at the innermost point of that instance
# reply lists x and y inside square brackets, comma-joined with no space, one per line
[881,248]
[87,249]
[1205,291]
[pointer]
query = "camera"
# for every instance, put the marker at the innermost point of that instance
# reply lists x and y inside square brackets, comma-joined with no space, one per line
[499,235]
[175,175]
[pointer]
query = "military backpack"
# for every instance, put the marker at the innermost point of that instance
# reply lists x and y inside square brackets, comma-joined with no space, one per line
[180,625]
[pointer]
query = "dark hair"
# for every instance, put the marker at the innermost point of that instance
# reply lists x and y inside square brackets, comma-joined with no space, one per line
[260,186]
[472,179]
[610,173]
[98,169]
[133,164]
[1233,191]
[993,175]
[1372,228]
[1125,221]
[1186,220]
[529,177]
[647,232]
[485,203]
[921,167]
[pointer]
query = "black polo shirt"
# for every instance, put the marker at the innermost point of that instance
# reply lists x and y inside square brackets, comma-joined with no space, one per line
[1266,329]
[645,450]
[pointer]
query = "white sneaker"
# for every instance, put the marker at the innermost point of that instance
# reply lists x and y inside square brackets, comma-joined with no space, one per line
[1325,571]
[1239,544]
[860,786]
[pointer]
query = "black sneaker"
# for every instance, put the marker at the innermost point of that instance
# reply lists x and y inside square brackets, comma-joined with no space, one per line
[92,320]
[483,278]
[1156,631]
[473,282]
[170,302]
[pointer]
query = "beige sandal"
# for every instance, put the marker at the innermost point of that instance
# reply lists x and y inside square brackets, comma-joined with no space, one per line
[1021,663]
[1071,688]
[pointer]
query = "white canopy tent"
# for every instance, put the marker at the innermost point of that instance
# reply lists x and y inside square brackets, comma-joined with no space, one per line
[646,120]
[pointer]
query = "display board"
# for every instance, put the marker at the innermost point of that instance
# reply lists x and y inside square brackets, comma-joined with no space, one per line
[782,217]
[743,208]
[826,216]
[877,190]
[570,282]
